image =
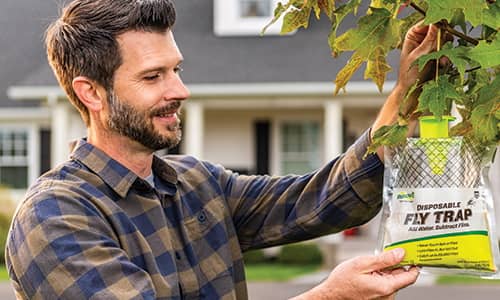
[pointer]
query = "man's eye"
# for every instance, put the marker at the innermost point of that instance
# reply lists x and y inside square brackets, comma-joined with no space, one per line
[152,77]
[178,69]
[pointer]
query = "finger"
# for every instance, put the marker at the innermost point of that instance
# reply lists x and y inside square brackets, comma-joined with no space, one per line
[429,43]
[381,261]
[400,279]
[414,36]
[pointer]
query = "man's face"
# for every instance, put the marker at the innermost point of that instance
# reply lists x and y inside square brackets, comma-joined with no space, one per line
[146,98]
[138,125]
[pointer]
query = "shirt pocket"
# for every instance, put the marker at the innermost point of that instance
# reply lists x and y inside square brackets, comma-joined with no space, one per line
[207,233]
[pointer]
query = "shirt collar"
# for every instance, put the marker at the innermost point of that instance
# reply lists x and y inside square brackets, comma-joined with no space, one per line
[115,175]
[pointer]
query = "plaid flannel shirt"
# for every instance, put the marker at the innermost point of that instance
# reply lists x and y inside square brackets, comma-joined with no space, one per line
[91,228]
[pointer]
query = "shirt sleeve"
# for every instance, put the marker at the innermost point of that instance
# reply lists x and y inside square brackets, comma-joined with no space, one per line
[60,247]
[274,210]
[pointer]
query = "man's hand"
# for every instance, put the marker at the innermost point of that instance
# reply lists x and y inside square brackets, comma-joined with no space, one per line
[419,40]
[365,277]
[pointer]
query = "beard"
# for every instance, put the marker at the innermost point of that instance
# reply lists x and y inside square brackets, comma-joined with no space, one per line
[138,125]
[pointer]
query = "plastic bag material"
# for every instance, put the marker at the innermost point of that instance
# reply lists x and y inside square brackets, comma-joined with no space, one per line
[438,206]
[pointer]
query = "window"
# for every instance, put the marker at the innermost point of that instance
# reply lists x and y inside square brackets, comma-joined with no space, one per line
[14,160]
[244,17]
[255,8]
[299,147]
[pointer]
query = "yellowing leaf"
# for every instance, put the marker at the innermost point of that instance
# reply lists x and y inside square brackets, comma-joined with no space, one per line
[484,123]
[461,129]
[486,54]
[490,92]
[436,96]
[327,6]
[338,16]
[375,31]
[295,19]
[391,5]
[278,11]
[485,116]
[347,71]
[377,68]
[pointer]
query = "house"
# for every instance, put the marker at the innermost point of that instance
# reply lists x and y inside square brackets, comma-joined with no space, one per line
[259,105]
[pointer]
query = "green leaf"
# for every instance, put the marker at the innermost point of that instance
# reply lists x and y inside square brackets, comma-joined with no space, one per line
[458,19]
[436,96]
[477,12]
[457,56]
[490,92]
[477,80]
[377,67]
[347,71]
[486,54]
[388,136]
[492,15]
[377,29]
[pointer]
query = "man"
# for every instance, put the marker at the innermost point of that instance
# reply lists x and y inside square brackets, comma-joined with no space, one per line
[117,222]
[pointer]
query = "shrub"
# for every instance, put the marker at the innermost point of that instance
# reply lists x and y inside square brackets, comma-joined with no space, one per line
[300,254]
[4,230]
[255,257]
[292,254]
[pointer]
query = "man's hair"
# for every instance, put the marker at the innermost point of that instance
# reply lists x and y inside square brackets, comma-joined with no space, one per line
[82,42]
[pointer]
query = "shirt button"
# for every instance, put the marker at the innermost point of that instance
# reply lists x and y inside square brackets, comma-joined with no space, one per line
[202,217]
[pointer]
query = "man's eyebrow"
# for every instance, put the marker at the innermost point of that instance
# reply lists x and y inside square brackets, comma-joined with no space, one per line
[152,69]
[158,69]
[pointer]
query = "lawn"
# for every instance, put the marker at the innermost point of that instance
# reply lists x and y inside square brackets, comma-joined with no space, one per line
[277,272]
[254,272]
[451,279]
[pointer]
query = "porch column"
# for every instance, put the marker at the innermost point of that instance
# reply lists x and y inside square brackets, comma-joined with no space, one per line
[193,129]
[60,124]
[333,129]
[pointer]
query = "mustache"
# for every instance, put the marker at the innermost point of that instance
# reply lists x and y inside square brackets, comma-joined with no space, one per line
[169,108]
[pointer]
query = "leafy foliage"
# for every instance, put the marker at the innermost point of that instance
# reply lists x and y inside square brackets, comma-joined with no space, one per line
[436,97]
[469,82]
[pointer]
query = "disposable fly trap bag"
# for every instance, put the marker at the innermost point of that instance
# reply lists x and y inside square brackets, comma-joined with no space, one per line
[438,206]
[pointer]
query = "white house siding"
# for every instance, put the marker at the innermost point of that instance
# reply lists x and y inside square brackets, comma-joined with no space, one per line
[32,120]
[229,137]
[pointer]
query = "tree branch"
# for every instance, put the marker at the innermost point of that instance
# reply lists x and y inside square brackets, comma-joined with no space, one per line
[443,24]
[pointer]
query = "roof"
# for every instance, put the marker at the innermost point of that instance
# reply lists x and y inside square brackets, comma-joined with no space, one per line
[21,40]
[301,57]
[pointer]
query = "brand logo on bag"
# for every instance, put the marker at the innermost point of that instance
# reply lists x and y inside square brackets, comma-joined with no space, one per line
[405,196]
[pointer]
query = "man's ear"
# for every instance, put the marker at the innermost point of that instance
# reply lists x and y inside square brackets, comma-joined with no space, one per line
[90,93]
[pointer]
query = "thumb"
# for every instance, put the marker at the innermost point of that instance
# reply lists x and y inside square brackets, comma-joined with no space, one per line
[386,259]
